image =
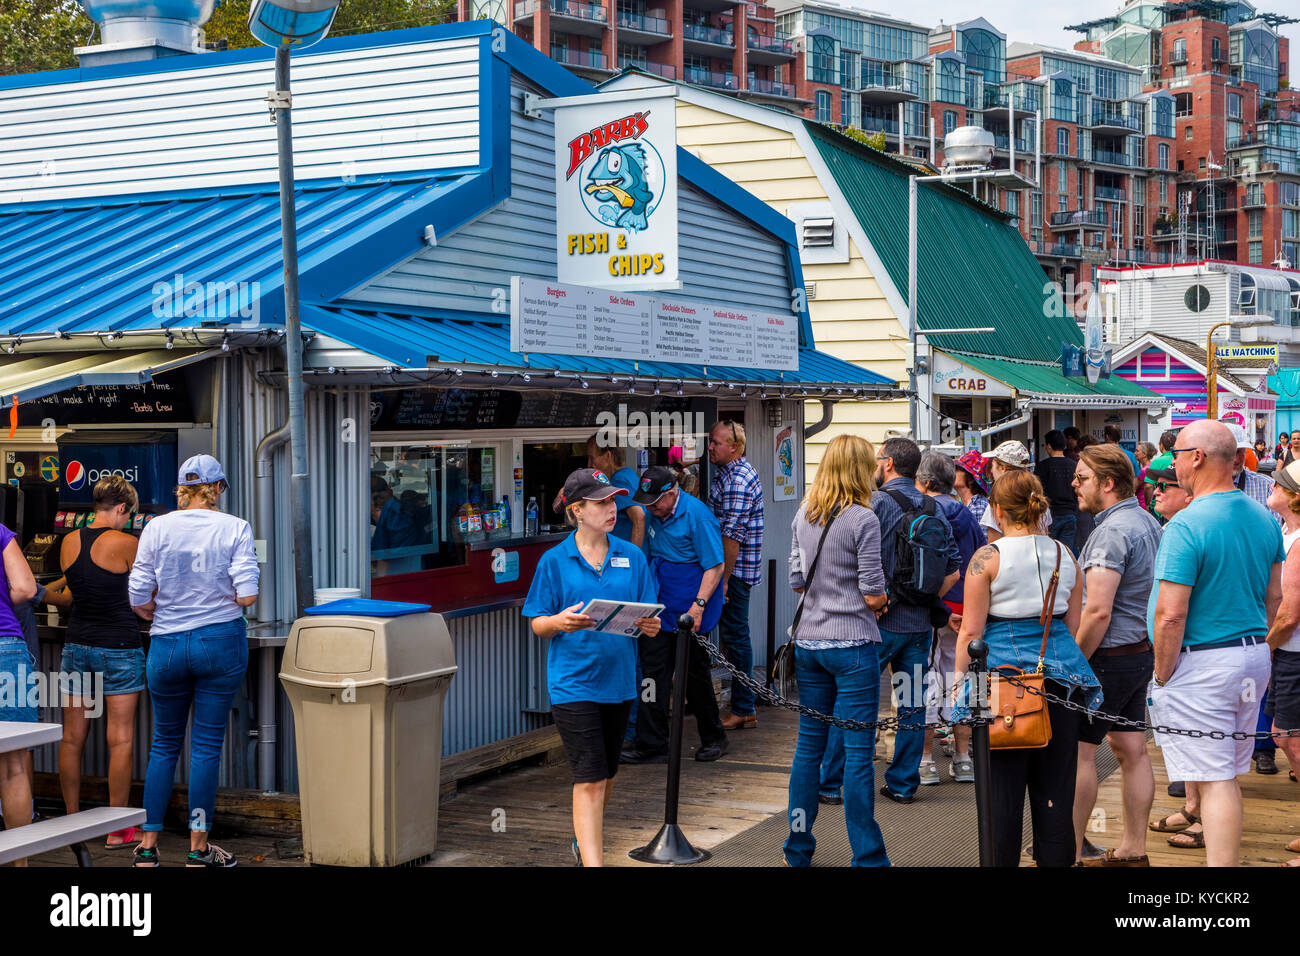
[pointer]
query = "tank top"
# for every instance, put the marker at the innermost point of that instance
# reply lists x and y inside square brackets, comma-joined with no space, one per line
[101,614]
[1024,572]
[1293,642]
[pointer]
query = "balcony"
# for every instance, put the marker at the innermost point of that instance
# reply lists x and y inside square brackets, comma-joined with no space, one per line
[574,16]
[696,34]
[643,30]
[1003,142]
[581,59]
[761,87]
[1063,250]
[1253,199]
[1024,99]
[767,50]
[1143,257]
[1113,121]
[1111,158]
[709,78]
[666,70]
[881,83]
[754,11]
[1111,193]
[1080,219]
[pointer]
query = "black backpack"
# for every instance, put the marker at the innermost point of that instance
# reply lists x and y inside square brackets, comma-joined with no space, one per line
[920,552]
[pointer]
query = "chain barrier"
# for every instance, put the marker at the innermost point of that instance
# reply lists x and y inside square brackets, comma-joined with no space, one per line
[892,723]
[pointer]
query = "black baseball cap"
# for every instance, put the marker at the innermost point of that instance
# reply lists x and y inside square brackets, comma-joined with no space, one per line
[656,482]
[1167,475]
[590,484]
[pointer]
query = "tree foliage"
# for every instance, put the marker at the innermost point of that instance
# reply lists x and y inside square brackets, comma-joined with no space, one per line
[37,35]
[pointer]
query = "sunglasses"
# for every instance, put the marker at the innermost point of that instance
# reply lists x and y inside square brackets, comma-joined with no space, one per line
[1163,486]
[732,425]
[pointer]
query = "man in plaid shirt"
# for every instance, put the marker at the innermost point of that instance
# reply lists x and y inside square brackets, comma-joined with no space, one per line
[736,496]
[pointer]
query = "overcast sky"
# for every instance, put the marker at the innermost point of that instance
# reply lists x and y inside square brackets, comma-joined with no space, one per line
[1036,21]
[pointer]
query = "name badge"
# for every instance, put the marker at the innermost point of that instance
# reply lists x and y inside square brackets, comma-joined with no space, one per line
[620,563]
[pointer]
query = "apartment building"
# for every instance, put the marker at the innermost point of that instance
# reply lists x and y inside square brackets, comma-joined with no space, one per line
[1237,136]
[694,41]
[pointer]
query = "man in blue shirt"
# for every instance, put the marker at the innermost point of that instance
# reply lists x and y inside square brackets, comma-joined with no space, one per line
[630,525]
[394,528]
[1218,577]
[686,557]
[905,631]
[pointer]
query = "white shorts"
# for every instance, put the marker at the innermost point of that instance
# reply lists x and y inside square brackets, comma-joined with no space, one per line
[1211,690]
[941,677]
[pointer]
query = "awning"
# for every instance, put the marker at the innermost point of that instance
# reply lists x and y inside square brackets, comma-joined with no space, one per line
[406,343]
[25,379]
[1046,385]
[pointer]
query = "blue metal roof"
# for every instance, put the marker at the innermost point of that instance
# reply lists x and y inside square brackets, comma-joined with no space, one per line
[418,342]
[112,265]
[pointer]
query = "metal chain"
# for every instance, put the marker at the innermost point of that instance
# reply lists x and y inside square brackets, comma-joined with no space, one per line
[760,690]
[1144,725]
[892,723]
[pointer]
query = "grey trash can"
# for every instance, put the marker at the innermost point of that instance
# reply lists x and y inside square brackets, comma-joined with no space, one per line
[367,694]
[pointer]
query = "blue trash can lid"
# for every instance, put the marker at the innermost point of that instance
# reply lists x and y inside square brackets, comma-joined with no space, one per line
[362,607]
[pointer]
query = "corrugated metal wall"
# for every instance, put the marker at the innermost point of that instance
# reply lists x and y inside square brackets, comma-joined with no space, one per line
[724,257]
[360,112]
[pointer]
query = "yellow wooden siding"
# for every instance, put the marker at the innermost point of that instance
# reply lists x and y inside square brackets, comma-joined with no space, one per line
[851,318]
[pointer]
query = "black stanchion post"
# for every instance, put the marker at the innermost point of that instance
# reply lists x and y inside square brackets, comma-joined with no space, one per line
[771,625]
[670,844]
[979,652]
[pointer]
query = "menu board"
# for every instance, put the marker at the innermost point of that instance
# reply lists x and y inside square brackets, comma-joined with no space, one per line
[164,399]
[551,318]
[459,409]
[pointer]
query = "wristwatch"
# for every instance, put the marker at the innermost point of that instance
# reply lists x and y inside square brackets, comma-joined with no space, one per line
[701,602]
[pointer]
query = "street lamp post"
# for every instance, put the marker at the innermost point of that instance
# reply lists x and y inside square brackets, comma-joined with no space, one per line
[283,25]
[1212,359]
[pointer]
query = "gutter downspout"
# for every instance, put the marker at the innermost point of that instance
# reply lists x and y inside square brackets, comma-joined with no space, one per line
[828,412]
[264,496]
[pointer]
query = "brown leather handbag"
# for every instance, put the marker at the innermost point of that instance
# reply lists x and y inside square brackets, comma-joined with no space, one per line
[1020,718]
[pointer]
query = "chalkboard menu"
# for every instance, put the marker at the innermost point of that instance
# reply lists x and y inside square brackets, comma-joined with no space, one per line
[165,399]
[461,409]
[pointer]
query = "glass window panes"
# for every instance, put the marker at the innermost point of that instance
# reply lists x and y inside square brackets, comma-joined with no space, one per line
[1063,141]
[823,60]
[823,106]
[985,52]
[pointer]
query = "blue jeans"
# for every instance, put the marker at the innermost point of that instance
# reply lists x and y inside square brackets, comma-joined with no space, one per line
[17,681]
[1064,529]
[1265,722]
[845,681]
[906,653]
[202,669]
[733,630]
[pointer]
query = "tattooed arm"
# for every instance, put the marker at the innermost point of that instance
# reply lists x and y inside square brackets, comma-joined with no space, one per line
[980,573]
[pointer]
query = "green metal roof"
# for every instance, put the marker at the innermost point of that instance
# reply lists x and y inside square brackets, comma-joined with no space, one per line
[974,268]
[1048,380]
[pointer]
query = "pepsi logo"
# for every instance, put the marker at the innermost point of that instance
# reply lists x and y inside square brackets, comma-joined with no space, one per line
[75,475]
[600,476]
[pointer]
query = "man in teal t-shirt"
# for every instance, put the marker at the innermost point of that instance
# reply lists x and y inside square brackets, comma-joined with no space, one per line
[1218,580]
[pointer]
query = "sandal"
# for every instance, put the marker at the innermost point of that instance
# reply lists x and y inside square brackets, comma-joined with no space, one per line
[1197,838]
[127,837]
[1164,826]
[145,856]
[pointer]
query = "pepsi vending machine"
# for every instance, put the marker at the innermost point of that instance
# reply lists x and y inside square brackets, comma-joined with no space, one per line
[147,459]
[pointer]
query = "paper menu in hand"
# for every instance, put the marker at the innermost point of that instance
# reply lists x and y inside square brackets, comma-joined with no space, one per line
[617,617]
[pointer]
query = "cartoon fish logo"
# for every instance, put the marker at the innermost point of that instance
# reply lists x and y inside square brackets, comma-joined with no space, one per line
[618,180]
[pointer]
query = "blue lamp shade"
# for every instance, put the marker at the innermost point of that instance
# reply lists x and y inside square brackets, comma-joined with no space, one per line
[296,23]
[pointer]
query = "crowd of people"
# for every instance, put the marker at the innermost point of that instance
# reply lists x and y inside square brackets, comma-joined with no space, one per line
[189,575]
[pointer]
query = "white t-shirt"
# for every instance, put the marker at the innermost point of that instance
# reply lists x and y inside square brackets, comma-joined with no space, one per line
[1293,643]
[1025,566]
[199,561]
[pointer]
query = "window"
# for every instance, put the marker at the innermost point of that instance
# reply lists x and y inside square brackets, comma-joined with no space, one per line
[1163,156]
[1180,51]
[1255,195]
[984,52]
[823,106]
[1164,188]
[1013,202]
[1153,364]
[949,121]
[1246,298]
[846,107]
[1216,50]
[1234,103]
[1187,133]
[1256,253]
[1255,222]
[1080,177]
[1062,183]
[1063,141]
[1036,214]
[823,59]
[949,86]
[1062,203]
[1197,298]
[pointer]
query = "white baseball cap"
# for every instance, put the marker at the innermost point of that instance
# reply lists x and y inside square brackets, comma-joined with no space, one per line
[1010,453]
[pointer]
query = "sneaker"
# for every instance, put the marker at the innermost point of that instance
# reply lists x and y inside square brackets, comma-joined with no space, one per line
[145,856]
[577,854]
[713,751]
[963,769]
[830,799]
[930,774]
[212,856]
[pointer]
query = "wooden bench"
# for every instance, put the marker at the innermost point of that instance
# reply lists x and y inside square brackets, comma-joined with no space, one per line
[35,838]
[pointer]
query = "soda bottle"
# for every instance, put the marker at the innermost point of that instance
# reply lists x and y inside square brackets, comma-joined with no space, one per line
[530,517]
[503,514]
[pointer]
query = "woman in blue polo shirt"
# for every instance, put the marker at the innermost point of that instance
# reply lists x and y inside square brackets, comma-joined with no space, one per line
[591,676]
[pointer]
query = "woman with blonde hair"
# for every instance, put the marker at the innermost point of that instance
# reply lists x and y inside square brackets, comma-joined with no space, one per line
[835,565]
[195,571]
[1007,586]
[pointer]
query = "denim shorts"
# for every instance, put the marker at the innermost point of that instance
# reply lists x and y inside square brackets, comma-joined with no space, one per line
[123,668]
[17,703]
